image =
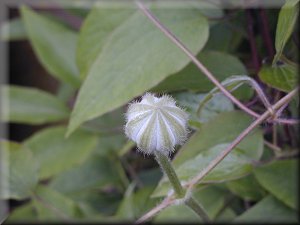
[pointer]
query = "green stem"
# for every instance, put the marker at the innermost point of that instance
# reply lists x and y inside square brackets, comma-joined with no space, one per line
[168,169]
[197,208]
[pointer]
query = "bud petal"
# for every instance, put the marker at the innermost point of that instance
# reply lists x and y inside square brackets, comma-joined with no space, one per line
[156,124]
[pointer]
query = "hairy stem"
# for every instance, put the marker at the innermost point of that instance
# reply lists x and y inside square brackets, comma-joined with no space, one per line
[197,208]
[168,169]
[189,201]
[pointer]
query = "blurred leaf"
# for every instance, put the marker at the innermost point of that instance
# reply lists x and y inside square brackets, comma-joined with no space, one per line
[124,69]
[220,64]
[226,216]
[190,102]
[223,38]
[286,21]
[94,173]
[13,30]
[24,213]
[150,176]
[201,148]
[247,188]
[268,210]
[94,203]
[281,179]
[65,92]
[207,9]
[282,77]
[18,171]
[54,45]
[135,204]
[211,198]
[55,153]
[31,106]
[109,123]
[94,33]
[53,206]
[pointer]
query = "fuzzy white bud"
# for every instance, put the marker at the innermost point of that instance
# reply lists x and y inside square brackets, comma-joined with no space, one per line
[156,124]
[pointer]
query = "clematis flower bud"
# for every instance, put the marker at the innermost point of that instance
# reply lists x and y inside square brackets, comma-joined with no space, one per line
[156,124]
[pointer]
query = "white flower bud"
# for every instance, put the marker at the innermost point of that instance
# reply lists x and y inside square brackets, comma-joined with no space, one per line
[156,124]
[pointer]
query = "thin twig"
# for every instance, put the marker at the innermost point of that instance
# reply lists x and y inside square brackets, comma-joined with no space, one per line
[273,147]
[226,151]
[165,203]
[208,74]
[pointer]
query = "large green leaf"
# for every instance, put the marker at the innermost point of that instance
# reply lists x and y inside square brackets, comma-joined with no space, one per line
[95,31]
[208,141]
[222,65]
[286,21]
[95,172]
[54,45]
[31,106]
[282,77]
[281,179]
[55,153]
[136,58]
[247,188]
[268,210]
[18,171]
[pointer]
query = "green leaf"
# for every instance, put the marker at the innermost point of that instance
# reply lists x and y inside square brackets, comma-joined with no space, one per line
[95,172]
[136,58]
[32,106]
[55,153]
[247,188]
[281,179]
[223,38]
[221,65]
[282,77]
[142,201]
[211,198]
[190,102]
[18,171]
[13,30]
[53,206]
[94,203]
[213,135]
[54,44]
[24,213]
[226,216]
[135,204]
[95,31]
[268,210]
[286,21]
